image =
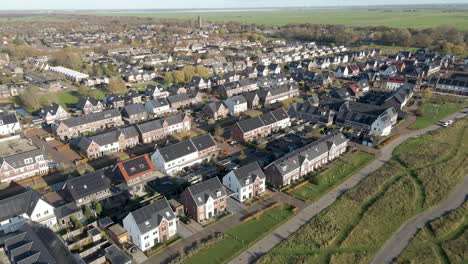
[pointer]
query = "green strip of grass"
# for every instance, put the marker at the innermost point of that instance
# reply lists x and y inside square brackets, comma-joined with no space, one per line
[433,112]
[325,181]
[243,235]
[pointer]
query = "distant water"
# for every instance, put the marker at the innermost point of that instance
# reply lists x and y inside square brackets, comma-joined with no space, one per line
[190,10]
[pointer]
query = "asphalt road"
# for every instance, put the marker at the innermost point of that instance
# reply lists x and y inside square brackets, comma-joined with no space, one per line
[284,231]
[398,242]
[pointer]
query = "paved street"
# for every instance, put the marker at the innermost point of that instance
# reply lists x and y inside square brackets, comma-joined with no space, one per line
[395,245]
[285,230]
[221,226]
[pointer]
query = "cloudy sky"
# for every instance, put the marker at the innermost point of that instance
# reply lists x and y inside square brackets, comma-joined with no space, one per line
[161,4]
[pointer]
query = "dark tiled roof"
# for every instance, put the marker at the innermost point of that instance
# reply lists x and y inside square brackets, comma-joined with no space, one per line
[93,117]
[251,171]
[18,204]
[133,109]
[8,119]
[149,217]
[87,184]
[209,188]
[18,160]
[82,102]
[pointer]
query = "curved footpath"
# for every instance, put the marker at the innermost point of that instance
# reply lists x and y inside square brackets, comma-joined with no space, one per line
[284,231]
[398,242]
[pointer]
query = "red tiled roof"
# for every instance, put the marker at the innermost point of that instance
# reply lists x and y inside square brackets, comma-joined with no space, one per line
[136,166]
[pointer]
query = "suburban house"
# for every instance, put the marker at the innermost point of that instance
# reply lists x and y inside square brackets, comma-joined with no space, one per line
[133,97]
[151,224]
[65,213]
[89,105]
[34,243]
[88,188]
[278,93]
[178,156]
[158,106]
[161,128]
[395,82]
[28,206]
[399,98]
[246,182]
[200,82]
[9,124]
[53,112]
[260,126]
[23,165]
[114,101]
[180,100]
[75,126]
[134,113]
[96,146]
[310,110]
[204,200]
[215,110]
[136,172]
[236,104]
[299,163]
[373,119]
[234,88]
[155,91]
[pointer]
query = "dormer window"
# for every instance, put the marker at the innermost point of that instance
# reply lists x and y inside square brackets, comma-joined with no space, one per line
[147,223]
[247,181]
[218,194]
[28,161]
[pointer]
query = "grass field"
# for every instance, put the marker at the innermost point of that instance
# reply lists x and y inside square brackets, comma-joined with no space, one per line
[433,112]
[324,181]
[243,235]
[442,241]
[70,98]
[353,229]
[355,17]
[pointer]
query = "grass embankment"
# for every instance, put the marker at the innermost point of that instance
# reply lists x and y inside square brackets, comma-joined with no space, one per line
[66,99]
[442,241]
[434,111]
[325,181]
[423,172]
[243,235]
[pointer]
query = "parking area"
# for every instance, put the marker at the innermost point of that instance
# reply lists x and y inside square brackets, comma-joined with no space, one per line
[183,231]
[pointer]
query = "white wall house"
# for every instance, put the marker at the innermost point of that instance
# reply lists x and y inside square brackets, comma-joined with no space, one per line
[25,207]
[236,104]
[151,225]
[158,106]
[247,182]
[9,124]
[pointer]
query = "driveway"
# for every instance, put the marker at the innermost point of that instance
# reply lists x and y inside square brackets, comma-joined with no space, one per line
[234,206]
[183,231]
[284,231]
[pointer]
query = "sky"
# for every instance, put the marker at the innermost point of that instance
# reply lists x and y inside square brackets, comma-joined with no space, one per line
[181,4]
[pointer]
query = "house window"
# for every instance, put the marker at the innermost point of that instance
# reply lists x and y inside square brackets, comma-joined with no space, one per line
[171,223]
[38,215]
[46,212]
[164,228]
[146,237]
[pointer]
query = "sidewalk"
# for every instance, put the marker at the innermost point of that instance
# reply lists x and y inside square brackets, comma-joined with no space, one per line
[222,226]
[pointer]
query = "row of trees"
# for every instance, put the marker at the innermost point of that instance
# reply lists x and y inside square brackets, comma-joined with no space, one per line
[445,38]
[186,74]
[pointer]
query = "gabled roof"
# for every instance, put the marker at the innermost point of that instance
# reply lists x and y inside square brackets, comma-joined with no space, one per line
[186,147]
[19,160]
[202,191]
[90,118]
[23,203]
[83,100]
[158,102]
[135,167]
[249,172]
[87,184]
[8,119]
[150,217]
[51,109]
[133,109]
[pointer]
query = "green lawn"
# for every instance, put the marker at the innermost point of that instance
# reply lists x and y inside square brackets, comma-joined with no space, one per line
[424,172]
[434,112]
[70,98]
[323,182]
[243,235]
[398,18]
